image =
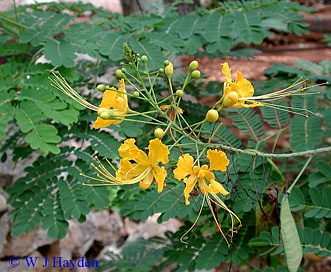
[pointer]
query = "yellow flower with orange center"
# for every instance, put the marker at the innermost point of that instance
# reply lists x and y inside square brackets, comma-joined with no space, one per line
[237,93]
[192,175]
[209,187]
[136,166]
[112,109]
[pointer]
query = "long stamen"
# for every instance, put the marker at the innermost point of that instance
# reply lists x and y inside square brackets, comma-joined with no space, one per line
[195,222]
[62,85]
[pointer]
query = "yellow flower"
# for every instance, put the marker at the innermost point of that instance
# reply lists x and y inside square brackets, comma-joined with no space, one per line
[136,166]
[112,109]
[195,174]
[209,187]
[114,104]
[240,93]
[237,93]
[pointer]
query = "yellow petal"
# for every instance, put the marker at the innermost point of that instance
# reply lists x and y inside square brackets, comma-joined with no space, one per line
[217,188]
[218,160]
[189,186]
[159,174]
[128,149]
[147,181]
[245,87]
[184,167]
[227,72]
[158,152]
[128,170]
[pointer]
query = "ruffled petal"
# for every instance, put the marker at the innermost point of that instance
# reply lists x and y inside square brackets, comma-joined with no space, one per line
[245,87]
[158,152]
[227,72]
[128,149]
[159,174]
[218,160]
[189,186]
[184,167]
[216,187]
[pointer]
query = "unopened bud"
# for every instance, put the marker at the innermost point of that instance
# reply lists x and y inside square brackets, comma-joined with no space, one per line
[136,94]
[230,99]
[101,88]
[193,66]
[212,116]
[169,70]
[196,74]
[119,74]
[144,59]
[166,62]
[179,93]
[159,133]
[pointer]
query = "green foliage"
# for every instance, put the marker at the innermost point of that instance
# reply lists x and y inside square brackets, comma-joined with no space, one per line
[37,120]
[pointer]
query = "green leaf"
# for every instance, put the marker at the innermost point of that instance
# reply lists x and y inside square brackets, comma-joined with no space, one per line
[111,45]
[306,132]
[321,203]
[213,253]
[248,25]
[60,53]
[290,237]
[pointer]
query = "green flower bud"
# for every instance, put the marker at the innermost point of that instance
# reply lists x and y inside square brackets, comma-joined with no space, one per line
[159,133]
[119,74]
[179,93]
[161,70]
[123,70]
[196,74]
[136,94]
[101,88]
[169,70]
[105,115]
[193,66]
[144,59]
[166,62]
[212,116]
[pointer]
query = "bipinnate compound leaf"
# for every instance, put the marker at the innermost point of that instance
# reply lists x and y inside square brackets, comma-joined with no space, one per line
[42,198]
[321,203]
[60,53]
[213,253]
[290,236]
[323,174]
[39,135]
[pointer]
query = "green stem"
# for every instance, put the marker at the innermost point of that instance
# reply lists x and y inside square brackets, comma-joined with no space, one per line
[299,175]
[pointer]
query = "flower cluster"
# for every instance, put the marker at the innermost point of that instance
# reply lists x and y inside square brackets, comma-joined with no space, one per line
[196,173]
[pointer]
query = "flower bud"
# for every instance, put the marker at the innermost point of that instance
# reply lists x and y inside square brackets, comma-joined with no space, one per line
[136,94]
[196,74]
[101,88]
[105,114]
[159,133]
[161,70]
[119,74]
[123,70]
[212,116]
[193,66]
[230,99]
[144,59]
[179,93]
[169,70]
[166,62]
